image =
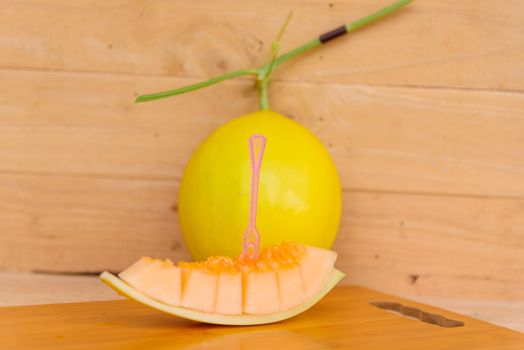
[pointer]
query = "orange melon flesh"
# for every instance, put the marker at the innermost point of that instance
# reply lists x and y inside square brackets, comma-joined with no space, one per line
[229,294]
[281,278]
[198,289]
[315,267]
[126,290]
[260,292]
[291,287]
[161,279]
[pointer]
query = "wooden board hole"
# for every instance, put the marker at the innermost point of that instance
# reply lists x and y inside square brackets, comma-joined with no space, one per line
[417,314]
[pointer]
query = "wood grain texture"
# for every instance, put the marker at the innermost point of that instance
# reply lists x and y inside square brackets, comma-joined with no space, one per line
[506,313]
[22,288]
[343,320]
[422,113]
[464,44]
[75,224]
[407,244]
[391,139]
[433,245]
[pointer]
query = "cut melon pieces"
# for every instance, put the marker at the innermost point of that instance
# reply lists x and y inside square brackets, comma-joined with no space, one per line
[160,280]
[291,287]
[315,266]
[199,288]
[260,292]
[282,278]
[126,290]
[229,293]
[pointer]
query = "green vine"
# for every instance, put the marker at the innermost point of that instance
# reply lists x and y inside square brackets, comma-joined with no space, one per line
[263,73]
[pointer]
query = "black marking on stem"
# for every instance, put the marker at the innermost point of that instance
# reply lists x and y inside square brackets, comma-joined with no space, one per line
[333,34]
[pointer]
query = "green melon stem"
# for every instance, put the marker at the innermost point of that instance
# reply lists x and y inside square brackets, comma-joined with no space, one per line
[263,93]
[263,73]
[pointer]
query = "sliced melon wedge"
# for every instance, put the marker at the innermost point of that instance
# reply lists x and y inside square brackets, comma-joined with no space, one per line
[279,280]
[161,279]
[126,290]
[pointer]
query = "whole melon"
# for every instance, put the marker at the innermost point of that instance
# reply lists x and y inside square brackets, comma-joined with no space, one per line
[299,192]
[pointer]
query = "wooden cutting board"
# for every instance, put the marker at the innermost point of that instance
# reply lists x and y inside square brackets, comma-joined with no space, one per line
[343,320]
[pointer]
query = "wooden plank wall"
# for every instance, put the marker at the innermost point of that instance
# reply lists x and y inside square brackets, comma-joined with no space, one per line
[423,114]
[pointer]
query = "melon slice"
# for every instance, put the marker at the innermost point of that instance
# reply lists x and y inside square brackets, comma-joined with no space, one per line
[315,266]
[159,279]
[260,292]
[229,293]
[283,278]
[126,290]
[291,287]
[199,288]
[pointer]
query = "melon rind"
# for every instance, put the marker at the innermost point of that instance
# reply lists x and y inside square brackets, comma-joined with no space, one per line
[126,290]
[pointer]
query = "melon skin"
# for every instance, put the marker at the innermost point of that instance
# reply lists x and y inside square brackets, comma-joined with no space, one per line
[283,278]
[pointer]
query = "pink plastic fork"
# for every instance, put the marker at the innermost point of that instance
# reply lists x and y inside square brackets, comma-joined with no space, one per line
[251,244]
